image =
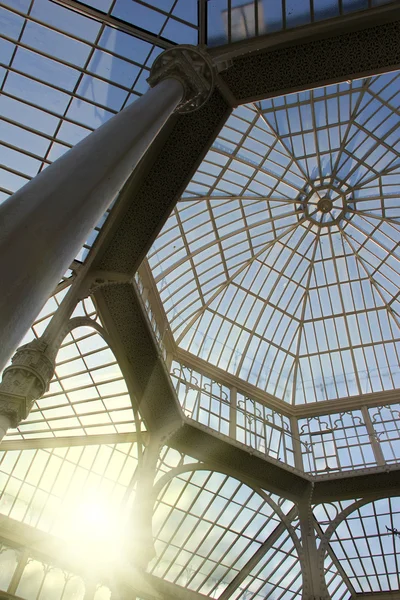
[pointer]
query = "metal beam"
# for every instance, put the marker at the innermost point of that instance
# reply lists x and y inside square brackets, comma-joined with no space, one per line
[172,591]
[379,15]
[365,46]
[257,557]
[79,440]
[155,187]
[7,596]
[116,23]
[136,350]
[335,561]
[373,483]
[377,596]
[220,453]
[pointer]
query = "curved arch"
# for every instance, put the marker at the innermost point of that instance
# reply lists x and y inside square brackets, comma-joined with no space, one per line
[174,472]
[282,526]
[97,330]
[88,322]
[340,517]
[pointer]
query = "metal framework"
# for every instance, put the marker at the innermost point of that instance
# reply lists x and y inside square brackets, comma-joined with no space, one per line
[223,419]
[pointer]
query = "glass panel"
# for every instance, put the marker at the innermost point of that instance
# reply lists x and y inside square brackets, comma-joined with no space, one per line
[68,75]
[8,563]
[338,442]
[242,19]
[367,547]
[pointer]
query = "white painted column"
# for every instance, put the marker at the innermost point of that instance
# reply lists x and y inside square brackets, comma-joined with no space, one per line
[298,459]
[232,413]
[374,440]
[44,225]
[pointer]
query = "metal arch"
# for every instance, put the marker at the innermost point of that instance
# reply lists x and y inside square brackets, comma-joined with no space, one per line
[174,472]
[340,517]
[88,322]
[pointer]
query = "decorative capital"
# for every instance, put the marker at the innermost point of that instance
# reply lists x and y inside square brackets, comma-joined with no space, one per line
[25,380]
[191,66]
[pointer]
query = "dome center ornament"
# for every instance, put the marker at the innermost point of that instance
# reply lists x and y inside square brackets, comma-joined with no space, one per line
[324,205]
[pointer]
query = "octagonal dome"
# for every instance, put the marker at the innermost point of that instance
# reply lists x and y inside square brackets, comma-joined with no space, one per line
[280,264]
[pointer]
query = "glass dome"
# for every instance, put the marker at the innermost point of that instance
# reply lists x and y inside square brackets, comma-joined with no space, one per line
[278,276]
[280,263]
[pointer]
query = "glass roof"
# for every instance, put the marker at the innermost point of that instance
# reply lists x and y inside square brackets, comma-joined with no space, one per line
[364,544]
[88,394]
[207,526]
[233,20]
[281,262]
[280,265]
[65,72]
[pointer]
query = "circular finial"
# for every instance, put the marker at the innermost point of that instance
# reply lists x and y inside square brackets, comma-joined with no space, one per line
[325,205]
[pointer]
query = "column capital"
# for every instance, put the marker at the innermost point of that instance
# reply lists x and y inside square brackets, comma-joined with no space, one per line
[192,66]
[25,380]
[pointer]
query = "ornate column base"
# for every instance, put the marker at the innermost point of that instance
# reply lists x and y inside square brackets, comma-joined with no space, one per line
[25,380]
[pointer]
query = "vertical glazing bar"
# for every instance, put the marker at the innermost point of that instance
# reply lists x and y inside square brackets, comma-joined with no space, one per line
[202,17]
[229,21]
[298,458]
[256,29]
[312,14]
[168,361]
[16,578]
[376,447]
[232,412]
